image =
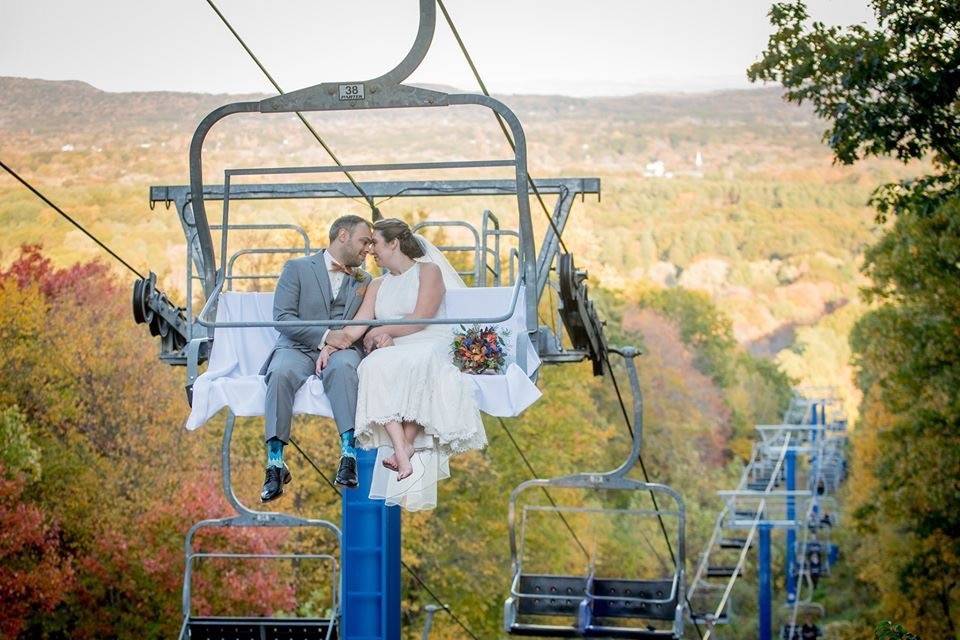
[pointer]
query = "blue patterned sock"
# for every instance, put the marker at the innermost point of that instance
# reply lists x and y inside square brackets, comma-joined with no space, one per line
[346,445]
[275,452]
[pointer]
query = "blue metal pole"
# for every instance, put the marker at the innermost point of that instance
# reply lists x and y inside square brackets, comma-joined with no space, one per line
[764,586]
[814,420]
[371,562]
[791,478]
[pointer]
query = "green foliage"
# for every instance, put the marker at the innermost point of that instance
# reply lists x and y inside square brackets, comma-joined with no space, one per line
[908,352]
[894,90]
[887,630]
[19,454]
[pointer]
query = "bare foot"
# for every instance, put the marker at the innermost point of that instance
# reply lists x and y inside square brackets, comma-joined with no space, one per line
[404,468]
[391,461]
[404,471]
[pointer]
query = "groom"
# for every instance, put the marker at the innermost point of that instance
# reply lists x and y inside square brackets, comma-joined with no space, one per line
[328,285]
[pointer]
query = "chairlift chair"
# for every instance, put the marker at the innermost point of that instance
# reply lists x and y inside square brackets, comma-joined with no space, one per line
[588,604]
[189,337]
[197,627]
[537,268]
[794,615]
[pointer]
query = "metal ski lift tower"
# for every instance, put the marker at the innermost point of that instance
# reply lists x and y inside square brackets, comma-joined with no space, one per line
[757,508]
[370,550]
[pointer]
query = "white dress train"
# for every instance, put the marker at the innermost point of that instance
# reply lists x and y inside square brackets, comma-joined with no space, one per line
[414,380]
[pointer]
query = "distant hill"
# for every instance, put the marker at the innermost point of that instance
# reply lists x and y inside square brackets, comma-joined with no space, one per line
[49,106]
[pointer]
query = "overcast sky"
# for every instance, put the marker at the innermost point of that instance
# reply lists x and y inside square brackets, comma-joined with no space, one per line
[572,47]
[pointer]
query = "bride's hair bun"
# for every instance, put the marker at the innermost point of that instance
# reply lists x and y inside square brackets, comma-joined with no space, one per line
[394,229]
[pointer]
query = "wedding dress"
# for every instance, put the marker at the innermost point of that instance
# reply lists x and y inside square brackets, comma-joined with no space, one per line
[415,380]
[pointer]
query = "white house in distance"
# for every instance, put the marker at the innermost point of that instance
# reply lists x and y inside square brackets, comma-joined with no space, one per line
[656,169]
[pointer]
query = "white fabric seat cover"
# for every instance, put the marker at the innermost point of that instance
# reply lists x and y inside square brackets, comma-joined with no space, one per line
[232,377]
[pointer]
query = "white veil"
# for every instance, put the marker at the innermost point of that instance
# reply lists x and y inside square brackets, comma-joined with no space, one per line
[451,279]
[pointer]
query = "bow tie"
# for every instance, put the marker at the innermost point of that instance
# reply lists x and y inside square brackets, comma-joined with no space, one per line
[336,266]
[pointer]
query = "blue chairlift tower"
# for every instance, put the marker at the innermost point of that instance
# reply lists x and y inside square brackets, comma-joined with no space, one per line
[758,507]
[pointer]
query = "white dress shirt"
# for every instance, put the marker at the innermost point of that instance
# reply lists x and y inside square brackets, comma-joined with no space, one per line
[336,277]
[336,281]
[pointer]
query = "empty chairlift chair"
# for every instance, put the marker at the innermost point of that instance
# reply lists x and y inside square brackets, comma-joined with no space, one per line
[592,603]
[209,627]
[800,621]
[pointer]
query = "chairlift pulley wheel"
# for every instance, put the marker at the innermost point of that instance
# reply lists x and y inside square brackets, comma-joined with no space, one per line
[569,280]
[578,313]
[143,289]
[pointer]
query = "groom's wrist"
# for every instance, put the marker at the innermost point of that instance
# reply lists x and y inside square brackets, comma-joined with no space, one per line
[323,340]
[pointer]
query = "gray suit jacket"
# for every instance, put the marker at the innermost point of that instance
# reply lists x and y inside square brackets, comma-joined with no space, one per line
[304,293]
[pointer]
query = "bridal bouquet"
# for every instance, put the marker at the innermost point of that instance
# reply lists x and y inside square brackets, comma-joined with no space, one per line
[479,349]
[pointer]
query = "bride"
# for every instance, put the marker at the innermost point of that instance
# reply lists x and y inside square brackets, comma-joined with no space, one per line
[413,404]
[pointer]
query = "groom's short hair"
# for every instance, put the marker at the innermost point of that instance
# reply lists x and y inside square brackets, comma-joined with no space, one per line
[347,222]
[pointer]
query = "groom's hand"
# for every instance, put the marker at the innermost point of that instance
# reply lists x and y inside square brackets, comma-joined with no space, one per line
[324,358]
[339,339]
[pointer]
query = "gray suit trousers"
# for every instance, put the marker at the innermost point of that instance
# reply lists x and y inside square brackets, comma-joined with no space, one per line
[289,368]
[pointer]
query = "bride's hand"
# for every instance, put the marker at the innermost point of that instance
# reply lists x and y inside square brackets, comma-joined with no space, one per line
[383,340]
[371,337]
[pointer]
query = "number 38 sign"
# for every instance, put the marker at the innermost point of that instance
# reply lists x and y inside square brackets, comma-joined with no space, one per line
[351,91]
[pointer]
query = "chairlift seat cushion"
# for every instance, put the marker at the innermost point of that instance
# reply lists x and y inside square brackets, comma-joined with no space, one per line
[645,589]
[561,596]
[549,631]
[635,633]
[217,628]
[553,595]
[721,572]
[232,377]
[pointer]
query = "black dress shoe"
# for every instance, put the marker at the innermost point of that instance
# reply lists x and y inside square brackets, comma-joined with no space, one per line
[347,472]
[273,483]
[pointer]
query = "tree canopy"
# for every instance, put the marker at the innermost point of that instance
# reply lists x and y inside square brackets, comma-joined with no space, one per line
[895,90]
[889,91]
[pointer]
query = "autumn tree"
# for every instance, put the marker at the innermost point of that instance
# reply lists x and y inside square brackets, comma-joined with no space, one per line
[98,481]
[895,91]
[35,572]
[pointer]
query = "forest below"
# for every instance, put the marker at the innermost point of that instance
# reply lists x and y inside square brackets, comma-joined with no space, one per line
[738,274]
